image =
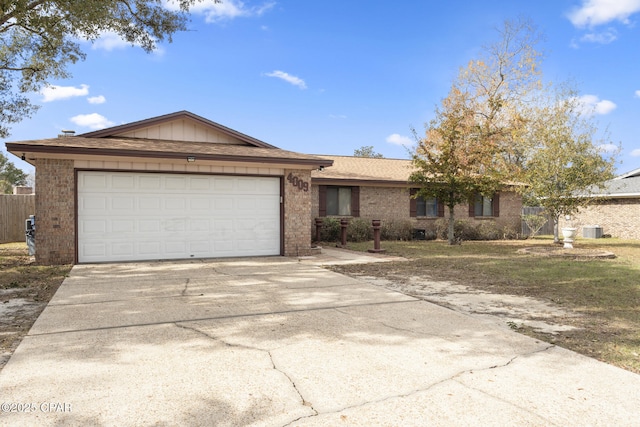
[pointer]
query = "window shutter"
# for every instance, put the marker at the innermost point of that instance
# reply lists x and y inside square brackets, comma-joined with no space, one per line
[496,205]
[413,203]
[322,200]
[440,209]
[355,201]
[472,207]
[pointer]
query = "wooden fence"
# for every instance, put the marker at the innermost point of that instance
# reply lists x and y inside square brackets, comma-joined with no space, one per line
[547,228]
[14,210]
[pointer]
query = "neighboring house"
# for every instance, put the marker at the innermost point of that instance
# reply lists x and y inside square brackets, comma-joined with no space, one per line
[378,189]
[170,187]
[618,213]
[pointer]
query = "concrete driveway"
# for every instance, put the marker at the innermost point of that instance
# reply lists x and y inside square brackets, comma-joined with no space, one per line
[279,342]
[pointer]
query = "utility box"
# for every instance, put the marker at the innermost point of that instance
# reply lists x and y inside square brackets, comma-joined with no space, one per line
[592,232]
[419,234]
[30,233]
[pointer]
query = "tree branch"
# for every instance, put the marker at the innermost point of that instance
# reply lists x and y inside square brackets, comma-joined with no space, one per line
[14,13]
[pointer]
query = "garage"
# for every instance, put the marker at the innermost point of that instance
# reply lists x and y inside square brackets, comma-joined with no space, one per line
[176,186]
[130,216]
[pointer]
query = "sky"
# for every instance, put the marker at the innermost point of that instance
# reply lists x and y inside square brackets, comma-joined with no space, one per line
[332,76]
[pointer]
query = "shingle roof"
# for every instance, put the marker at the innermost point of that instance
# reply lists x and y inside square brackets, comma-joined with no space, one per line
[632,174]
[628,185]
[131,147]
[365,169]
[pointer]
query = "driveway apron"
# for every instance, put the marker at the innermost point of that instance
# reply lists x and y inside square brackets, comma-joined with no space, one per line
[280,341]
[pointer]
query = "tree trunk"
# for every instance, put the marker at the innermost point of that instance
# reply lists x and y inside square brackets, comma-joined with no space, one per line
[556,235]
[451,235]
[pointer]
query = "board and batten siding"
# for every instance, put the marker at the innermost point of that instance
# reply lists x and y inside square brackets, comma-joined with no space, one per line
[182,130]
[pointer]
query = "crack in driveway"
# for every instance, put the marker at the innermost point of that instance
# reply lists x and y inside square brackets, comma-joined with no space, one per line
[186,286]
[303,401]
[456,377]
[453,377]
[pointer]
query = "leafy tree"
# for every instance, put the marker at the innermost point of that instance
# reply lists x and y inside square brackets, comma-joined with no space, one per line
[475,142]
[565,167]
[367,151]
[10,175]
[40,39]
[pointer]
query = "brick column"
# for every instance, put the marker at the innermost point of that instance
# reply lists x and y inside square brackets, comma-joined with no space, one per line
[297,209]
[55,212]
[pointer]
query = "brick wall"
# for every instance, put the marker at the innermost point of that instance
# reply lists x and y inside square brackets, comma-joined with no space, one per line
[297,205]
[388,203]
[618,217]
[55,212]
[375,202]
[510,211]
[384,203]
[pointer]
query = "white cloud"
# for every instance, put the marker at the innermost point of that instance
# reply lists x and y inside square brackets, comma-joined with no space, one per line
[597,12]
[296,81]
[337,116]
[92,121]
[56,93]
[605,37]
[109,41]
[591,104]
[226,10]
[636,152]
[637,93]
[398,139]
[97,99]
[608,148]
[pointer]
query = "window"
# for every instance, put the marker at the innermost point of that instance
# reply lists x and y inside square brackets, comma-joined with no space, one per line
[425,207]
[339,201]
[485,206]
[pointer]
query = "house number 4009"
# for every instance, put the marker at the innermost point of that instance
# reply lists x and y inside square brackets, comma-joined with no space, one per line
[297,182]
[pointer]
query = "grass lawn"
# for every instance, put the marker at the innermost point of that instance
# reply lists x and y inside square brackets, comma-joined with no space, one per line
[605,292]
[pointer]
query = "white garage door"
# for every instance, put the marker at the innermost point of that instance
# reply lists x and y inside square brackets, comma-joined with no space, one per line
[145,216]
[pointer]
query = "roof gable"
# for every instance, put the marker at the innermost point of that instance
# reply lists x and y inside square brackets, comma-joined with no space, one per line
[179,126]
[176,137]
[633,174]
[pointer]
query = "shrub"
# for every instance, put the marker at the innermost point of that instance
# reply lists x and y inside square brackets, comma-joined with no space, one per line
[358,230]
[330,231]
[431,231]
[462,230]
[396,230]
[511,233]
[441,228]
[465,230]
[488,230]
